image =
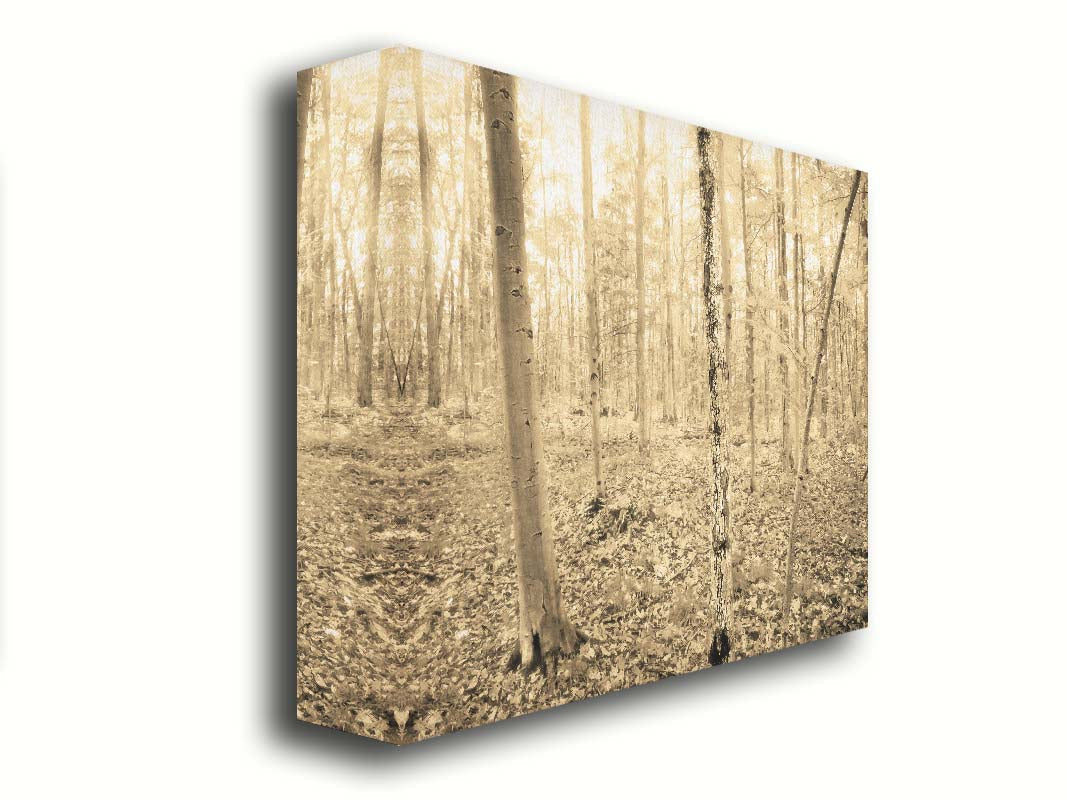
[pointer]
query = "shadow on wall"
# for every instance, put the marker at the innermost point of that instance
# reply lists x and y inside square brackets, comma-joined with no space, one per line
[278,480]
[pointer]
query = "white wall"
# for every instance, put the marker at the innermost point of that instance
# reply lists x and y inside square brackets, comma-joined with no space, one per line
[145,226]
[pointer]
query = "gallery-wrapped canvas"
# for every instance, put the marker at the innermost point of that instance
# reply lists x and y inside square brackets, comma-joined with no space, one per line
[582,397]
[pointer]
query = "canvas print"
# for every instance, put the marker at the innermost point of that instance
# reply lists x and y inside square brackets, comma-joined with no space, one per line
[582,397]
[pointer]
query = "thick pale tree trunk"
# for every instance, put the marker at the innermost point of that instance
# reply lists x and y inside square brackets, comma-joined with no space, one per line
[721,583]
[433,366]
[591,299]
[639,235]
[544,631]
[365,383]
[801,470]
[750,332]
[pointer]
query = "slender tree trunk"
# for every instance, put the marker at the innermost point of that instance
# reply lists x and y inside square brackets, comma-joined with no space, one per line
[821,251]
[864,335]
[783,308]
[482,295]
[721,583]
[544,318]
[303,111]
[680,293]
[451,334]
[798,303]
[639,235]
[433,367]
[365,384]
[670,399]
[346,284]
[329,251]
[727,268]
[544,630]
[591,298]
[798,486]
[303,103]
[750,332]
[465,348]
[384,348]
[319,208]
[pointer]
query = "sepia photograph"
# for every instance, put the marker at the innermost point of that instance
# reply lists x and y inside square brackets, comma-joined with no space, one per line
[581,397]
[620,402]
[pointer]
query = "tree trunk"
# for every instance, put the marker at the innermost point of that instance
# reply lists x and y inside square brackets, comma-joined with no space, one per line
[303,103]
[727,268]
[783,308]
[328,253]
[465,348]
[544,631]
[821,252]
[451,333]
[798,303]
[433,367]
[591,299]
[303,111]
[863,366]
[365,384]
[346,284]
[750,333]
[670,403]
[544,318]
[798,486]
[639,236]
[721,583]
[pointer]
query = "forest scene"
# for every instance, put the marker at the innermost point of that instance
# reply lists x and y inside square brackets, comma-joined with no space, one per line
[582,397]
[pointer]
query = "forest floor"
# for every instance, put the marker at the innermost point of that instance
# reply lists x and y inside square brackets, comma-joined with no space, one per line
[406,577]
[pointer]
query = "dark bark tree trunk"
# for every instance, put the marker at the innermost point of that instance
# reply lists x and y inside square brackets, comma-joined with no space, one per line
[544,630]
[721,583]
